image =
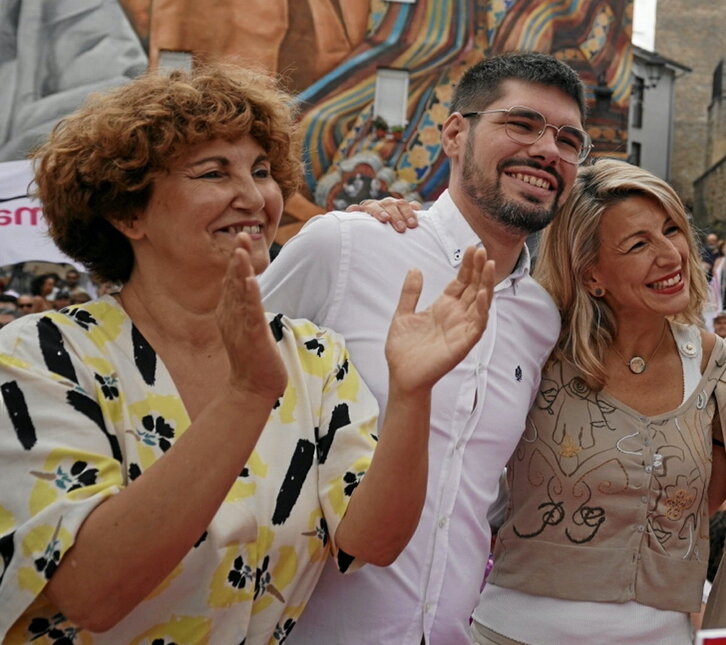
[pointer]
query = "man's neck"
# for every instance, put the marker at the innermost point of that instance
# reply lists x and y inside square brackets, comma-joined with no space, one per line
[502,244]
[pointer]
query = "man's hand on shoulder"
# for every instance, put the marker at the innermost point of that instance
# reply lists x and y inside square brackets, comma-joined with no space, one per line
[399,213]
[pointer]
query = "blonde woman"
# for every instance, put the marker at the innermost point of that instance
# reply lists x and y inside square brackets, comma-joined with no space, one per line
[606,537]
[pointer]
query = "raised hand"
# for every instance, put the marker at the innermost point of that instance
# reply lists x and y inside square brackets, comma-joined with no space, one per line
[399,213]
[422,347]
[255,363]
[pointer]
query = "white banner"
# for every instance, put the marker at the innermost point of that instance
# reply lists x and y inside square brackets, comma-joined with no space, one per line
[23,230]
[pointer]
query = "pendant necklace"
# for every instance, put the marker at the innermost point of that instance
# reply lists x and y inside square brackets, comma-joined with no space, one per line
[637,364]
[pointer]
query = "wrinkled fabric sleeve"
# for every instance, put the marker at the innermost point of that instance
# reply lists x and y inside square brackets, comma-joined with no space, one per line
[307,278]
[58,458]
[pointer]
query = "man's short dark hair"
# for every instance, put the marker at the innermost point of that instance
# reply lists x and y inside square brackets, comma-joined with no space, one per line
[481,84]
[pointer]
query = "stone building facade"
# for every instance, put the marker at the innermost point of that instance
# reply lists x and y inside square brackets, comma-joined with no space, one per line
[692,32]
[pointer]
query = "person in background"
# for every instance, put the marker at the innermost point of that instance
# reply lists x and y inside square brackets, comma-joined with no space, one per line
[178,465]
[8,301]
[514,139]
[7,314]
[41,288]
[79,297]
[72,281]
[61,299]
[719,324]
[24,303]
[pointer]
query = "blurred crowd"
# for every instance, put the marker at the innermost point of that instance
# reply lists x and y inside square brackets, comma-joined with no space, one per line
[713,256]
[46,291]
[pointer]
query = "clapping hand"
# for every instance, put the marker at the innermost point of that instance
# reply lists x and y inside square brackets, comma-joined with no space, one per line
[423,346]
[256,366]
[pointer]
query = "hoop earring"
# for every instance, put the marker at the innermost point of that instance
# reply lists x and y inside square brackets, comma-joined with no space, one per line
[598,292]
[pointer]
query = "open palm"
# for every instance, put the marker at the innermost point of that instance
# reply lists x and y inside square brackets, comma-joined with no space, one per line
[423,346]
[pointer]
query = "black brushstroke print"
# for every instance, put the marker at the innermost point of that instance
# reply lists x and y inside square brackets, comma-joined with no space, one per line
[144,356]
[344,560]
[19,415]
[276,327]
[338,419]
[300,464]
[7,550]
[89,408]
[56,358]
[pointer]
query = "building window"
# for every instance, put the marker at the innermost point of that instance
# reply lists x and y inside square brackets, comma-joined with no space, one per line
[391,98]
[636,102]
[635,151]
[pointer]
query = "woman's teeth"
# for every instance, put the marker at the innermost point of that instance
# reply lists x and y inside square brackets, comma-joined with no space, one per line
[255,229]
[665,284]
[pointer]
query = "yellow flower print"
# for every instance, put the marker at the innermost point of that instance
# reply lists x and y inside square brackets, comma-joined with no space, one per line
[40,623]
[157,422]
[75,474]
[245,486]
[314,352]
[338,496]
[234,579]
[288,403]
[317,534]
[184,630]
[270,584]
[45,544]
[7,521]
[349,381]
[103,322]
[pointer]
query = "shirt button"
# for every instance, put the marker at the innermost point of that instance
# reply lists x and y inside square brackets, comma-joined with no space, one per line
[459,444]
[649,469]
[644,499]
[442,522]
[646,441]
[641,528]
[427,607]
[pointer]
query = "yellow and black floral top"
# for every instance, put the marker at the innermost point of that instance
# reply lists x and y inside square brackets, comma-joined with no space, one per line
[86,406]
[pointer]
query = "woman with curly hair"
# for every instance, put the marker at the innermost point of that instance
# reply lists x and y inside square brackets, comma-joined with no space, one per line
[175,463]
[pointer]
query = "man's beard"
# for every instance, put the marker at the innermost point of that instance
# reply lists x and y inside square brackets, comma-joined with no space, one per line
[519,217]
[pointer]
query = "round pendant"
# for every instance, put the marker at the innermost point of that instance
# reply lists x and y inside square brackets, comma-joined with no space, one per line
[636,365]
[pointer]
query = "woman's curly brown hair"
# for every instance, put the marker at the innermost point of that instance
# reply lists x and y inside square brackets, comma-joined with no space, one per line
[99,164]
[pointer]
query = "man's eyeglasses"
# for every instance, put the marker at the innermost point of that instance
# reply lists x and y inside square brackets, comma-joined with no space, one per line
[24,305]
[525,125]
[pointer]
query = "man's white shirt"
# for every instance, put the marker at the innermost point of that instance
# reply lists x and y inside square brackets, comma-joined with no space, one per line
[344,271]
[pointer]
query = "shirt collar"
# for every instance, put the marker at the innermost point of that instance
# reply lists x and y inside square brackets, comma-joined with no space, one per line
[456,235]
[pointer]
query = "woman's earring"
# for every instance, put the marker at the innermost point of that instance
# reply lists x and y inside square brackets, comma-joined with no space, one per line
[598,292]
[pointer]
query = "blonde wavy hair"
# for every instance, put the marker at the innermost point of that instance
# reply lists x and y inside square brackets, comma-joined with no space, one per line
[99,164]
[569,249]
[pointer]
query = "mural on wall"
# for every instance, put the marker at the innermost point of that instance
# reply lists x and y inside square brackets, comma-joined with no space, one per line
[328,52]
[436,42]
